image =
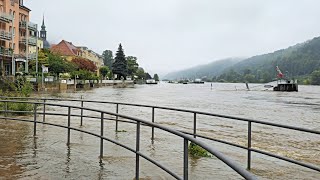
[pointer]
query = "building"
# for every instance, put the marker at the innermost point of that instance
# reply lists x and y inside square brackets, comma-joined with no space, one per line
[43,36]
[17,36]
[70,52]
[67,50]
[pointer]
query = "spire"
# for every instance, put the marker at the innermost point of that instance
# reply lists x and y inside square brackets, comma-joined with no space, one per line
[43,27]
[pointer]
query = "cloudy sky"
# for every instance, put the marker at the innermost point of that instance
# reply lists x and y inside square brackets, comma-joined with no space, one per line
[169,35]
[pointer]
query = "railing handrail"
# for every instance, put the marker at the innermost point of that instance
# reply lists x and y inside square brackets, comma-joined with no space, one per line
[178,110]
[249,121]
[241,171]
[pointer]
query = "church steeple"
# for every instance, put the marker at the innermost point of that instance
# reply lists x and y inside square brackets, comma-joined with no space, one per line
[43,32]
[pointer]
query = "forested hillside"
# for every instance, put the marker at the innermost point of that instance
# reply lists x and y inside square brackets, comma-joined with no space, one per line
[298,61]
[301,62]
[209,70]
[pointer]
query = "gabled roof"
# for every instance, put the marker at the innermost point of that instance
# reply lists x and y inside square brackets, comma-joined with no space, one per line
[65,48]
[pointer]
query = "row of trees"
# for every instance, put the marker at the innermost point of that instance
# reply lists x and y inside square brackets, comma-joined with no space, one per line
[123,66]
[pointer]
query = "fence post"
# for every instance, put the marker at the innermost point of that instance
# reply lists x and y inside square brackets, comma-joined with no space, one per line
[152,137]
[81,118]
[195,125]
[69,119]
[117,117]
[101,133]
[249,146]
[137,151]
[44,110]
[6,110]
[185,159]
[34,119]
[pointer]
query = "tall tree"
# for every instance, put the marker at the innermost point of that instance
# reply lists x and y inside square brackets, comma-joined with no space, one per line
[132,65]
[108,58]
[120,65]
[156,77]
[104,71]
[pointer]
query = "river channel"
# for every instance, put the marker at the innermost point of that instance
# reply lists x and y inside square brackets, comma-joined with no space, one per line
[48,157]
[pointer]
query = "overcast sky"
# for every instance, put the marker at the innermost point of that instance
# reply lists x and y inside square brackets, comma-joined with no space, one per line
[169,35]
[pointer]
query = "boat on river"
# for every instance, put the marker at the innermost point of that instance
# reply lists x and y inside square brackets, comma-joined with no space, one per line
[151,81]
[284,84]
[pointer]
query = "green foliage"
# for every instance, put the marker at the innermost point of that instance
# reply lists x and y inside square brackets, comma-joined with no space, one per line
[104,71]
[108,58]
[84,75]
[141,74]
[148,76]
[132,65]
[156,77]
[120,66]
[315,77]
[197,151]
[57,65]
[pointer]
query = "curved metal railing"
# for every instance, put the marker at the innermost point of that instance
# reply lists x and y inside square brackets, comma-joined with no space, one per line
[250,122]
[186,138]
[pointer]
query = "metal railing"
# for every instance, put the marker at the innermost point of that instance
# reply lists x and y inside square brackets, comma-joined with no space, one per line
[186,138]
[31,41]
[4,35]
[31,26]
[6,17]
[250,123]
[5,52]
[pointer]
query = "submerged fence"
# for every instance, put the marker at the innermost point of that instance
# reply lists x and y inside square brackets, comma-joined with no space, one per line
[187,136]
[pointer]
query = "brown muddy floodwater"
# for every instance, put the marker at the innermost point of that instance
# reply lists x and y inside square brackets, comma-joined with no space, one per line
[48,157]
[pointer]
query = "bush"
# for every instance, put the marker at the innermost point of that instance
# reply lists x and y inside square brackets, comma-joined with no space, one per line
[197,151]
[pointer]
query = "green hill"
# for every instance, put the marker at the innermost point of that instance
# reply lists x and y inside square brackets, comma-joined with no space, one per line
[209,70]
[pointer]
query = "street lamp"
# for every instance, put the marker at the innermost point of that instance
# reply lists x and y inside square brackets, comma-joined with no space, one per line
[75,82]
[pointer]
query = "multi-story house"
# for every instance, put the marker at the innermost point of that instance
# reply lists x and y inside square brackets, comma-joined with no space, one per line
[17,37]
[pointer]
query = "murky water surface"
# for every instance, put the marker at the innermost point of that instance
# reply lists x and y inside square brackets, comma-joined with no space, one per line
[48,157]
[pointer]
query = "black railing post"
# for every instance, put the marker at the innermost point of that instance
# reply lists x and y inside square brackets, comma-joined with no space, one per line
[185,159]
[81,118]
[195,125]
[69,123]
[117,117]
[249,146]
[6,109]
[34,119]
[152,137]
[101,133]
[137,151]
[44,111]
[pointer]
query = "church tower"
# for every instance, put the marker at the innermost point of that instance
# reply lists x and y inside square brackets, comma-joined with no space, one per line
[43,32]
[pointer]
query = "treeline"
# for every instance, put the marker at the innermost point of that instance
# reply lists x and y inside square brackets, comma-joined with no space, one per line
[125,66]
[301,62]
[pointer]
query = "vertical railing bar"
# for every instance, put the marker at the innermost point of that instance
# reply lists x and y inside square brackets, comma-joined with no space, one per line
[117,117]
[152,137]
[69,123]
[44,111]
[81,118]
[195,125]
[6,109]
[101,133]
[249,146]
[137,151]
[34,119]
[185,159]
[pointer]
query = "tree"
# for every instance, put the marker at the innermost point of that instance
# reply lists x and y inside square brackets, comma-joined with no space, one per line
[156,77]
[84,64]
[148,76]
[108,58]
[315,77]
[58,65]
[140,73]
[120,66]
[132,65]
[104,71]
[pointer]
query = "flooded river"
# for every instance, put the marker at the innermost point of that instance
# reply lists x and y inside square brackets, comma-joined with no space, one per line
[48,157]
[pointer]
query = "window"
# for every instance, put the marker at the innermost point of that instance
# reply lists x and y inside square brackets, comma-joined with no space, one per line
[14,14]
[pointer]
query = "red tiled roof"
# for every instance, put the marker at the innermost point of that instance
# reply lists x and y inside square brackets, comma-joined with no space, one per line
[65,48]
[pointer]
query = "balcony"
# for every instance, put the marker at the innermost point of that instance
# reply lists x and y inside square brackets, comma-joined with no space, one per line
[31,41]
[7,36]
[5,52]
[32,56]
[6,17]
[31,26]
